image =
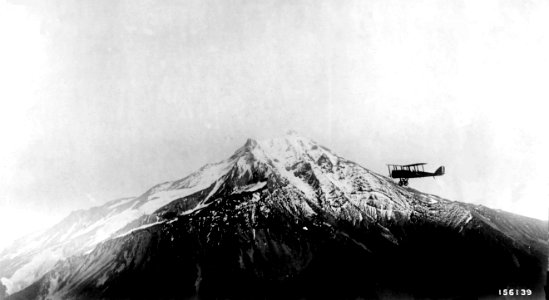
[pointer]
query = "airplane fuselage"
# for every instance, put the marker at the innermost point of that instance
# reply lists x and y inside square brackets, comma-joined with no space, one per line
[410,174]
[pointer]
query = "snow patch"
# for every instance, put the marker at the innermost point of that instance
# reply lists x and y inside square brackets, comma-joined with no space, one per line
[250,187]
[139,228]
[281,160]
[102,280]
[68,233]
[196,208]
[54,283]
[32,243]
[120,203]
[469,217]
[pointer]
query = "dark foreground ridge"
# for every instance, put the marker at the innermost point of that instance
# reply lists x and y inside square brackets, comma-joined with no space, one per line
[288,219]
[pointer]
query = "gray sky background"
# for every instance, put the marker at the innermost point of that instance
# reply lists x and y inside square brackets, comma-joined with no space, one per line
[103,99]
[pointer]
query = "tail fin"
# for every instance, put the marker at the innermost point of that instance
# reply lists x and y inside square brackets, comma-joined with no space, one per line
[440,171]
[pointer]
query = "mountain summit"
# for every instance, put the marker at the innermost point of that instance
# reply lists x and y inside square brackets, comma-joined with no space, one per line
[279,219]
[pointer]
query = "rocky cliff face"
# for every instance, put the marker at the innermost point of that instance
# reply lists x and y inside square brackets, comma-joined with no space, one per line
[289,219]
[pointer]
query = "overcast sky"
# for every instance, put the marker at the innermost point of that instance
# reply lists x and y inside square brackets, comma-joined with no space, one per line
[103,99]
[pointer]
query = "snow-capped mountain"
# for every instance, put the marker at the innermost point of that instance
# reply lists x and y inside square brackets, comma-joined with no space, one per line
[281,218]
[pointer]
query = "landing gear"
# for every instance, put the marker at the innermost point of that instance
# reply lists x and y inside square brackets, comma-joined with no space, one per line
[403,182]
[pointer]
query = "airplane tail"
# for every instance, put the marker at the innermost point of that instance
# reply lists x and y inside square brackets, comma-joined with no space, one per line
[440,171]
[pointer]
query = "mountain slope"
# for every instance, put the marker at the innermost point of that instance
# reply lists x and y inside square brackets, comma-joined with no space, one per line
[287,218]
[31,257]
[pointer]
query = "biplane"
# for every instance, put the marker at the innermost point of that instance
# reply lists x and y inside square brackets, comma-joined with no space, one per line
[405,172]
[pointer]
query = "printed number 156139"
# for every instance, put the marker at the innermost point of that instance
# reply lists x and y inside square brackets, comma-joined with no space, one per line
[515,292]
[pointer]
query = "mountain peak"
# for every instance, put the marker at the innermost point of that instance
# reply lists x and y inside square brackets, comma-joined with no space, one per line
[293,145]
[250,144]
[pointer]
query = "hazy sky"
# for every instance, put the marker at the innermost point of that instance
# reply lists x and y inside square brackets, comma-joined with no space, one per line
[103,99]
